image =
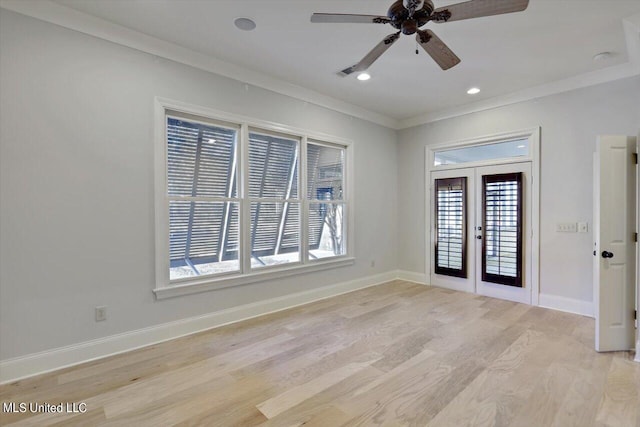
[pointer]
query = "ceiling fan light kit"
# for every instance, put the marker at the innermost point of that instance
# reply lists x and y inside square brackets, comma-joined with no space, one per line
[407,16]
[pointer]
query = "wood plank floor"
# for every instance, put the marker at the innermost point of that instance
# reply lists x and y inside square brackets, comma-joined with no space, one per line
[391,355]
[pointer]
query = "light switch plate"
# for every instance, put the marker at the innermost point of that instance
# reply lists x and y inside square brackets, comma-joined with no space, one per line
[583,227]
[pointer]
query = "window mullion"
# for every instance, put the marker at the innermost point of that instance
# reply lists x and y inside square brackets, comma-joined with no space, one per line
[304,205]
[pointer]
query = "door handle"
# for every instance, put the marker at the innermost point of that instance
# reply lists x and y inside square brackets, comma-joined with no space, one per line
[606,254]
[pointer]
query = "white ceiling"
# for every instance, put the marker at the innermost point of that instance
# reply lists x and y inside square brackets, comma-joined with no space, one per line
[550,41]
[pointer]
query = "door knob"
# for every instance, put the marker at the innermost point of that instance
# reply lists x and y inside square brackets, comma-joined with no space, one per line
[479,237]
[606,254]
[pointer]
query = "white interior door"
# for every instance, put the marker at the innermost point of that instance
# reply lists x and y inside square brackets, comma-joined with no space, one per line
[614,255]
[470,253]
[503,227]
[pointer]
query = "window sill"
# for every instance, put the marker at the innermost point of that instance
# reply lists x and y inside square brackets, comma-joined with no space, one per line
[214,283]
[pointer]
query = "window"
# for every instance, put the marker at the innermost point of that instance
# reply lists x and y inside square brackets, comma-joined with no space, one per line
[275,205]
[451,226]
[203,203]
[326,207]
[235,202]
[502,224]
[497,150]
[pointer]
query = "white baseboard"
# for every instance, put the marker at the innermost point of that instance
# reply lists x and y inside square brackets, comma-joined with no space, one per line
[411,276]
[63,357]
[637,358]
[570,305]
[51,360]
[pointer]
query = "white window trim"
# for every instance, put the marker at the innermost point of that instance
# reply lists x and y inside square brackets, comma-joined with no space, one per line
[533,135]
[166,289]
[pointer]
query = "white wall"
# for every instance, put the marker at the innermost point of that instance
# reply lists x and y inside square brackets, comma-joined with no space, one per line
[76,182]
[569,124]
[76,185]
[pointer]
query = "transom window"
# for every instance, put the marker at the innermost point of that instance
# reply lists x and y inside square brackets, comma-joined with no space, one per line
[239,205]
[497,150]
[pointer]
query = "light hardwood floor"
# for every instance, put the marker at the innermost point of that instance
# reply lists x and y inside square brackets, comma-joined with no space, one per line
[393,355]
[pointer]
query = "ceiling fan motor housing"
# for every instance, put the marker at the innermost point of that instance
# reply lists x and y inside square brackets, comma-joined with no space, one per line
[404,20]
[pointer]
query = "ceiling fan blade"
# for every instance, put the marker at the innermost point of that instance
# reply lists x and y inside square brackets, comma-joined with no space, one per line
[477,8]
[436,48]
[343,18]
[374,54]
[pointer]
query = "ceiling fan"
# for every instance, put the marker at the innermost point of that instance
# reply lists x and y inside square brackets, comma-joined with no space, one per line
[409,15]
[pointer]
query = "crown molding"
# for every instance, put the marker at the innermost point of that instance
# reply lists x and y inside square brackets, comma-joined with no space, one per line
[583,80]
[631,26]
[63,16]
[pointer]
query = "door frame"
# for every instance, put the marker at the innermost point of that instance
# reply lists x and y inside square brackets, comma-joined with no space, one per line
[533,136]
[637,322]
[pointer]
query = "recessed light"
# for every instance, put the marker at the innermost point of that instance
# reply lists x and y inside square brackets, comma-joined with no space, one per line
[363,77]
[245,24]
[602,56]
[473,91]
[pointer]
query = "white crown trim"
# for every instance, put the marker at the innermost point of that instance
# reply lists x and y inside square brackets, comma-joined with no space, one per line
[54,13]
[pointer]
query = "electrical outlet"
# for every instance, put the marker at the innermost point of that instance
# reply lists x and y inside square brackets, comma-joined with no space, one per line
[583,227]
[101,313]
[566,227]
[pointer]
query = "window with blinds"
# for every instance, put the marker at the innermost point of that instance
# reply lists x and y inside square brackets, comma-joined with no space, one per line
[502,225]
[216,202]
[451,226]
[325,183]
[203,207]
[273,193]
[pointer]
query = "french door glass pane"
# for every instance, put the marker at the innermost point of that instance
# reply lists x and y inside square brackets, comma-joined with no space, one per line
[502,225]
[275,233]
[451,228]
[203,238]
[326,230]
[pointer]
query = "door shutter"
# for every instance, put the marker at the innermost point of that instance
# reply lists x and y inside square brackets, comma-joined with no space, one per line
[451,226]
[502,229]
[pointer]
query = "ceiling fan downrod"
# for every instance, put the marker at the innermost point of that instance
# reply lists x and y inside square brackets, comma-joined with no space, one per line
[412,5]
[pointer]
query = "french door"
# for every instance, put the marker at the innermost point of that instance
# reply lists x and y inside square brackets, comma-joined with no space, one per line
[481,230]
